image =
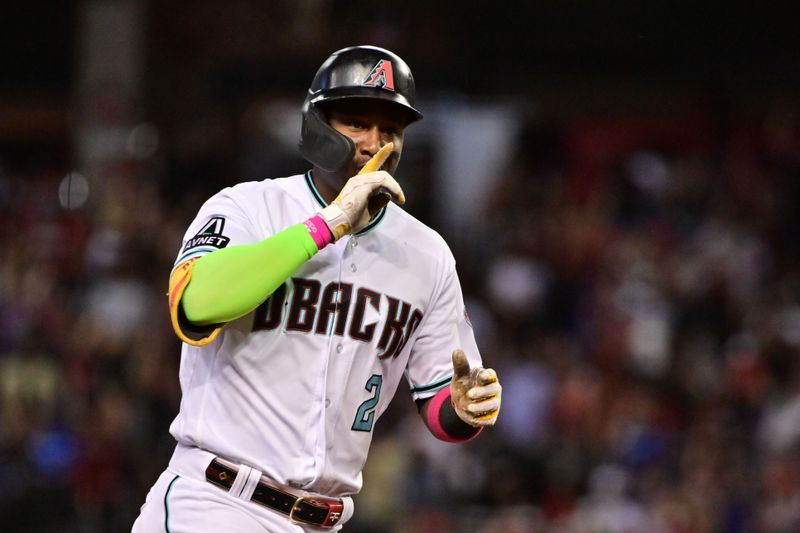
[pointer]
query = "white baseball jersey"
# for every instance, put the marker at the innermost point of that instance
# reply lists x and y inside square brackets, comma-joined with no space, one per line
[295,388]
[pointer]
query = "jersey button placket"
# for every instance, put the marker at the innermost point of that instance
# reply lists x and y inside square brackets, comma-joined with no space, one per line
[352,244]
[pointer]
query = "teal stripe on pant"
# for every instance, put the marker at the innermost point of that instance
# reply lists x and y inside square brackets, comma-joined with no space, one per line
[166,505]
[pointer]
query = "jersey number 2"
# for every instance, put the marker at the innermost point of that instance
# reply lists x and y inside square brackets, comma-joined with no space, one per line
[365,416]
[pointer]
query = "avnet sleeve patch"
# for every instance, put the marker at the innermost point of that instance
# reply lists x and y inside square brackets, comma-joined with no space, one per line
[209,235]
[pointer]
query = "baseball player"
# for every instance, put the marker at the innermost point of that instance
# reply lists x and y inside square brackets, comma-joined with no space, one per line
[301,303]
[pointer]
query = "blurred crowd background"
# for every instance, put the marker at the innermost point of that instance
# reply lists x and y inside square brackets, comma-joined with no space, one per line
[620,185]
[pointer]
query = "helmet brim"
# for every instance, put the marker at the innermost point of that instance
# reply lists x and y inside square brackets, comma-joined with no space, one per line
[396,101]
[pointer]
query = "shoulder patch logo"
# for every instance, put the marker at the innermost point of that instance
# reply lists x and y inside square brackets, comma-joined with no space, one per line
[209,235]
[381,76]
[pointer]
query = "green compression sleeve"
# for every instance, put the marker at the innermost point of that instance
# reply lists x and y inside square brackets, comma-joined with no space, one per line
[229,283]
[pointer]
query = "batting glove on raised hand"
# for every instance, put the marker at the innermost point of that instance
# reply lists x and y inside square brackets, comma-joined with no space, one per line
[362,196]
[475,393]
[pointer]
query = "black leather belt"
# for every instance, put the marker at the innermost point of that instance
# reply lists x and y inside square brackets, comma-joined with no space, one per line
[317,511]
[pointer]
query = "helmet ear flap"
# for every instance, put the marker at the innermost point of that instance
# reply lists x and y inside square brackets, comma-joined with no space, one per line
[322,145]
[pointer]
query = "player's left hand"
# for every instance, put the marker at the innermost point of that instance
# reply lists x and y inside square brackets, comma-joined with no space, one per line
[474,392]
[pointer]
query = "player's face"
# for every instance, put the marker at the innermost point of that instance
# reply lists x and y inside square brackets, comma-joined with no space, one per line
[370,126]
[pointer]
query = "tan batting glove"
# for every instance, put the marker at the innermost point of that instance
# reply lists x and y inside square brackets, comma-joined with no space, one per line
[362,196]
[475,393]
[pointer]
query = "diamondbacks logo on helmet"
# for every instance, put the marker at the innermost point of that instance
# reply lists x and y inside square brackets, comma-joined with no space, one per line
[381,76]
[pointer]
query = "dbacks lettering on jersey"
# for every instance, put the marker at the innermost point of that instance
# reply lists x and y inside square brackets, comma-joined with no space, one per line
[209,235]
[323,310]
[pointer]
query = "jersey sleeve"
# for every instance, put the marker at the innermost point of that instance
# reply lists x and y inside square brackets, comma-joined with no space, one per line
[445,328]
[221,222]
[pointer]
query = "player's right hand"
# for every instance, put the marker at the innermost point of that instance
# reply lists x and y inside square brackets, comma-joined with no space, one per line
[362,196]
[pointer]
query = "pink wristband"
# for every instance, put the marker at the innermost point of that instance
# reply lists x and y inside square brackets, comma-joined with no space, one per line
[435,424]
[319,231]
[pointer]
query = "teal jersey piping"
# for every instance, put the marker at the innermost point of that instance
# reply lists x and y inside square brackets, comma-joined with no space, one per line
[200,250]
[431,386]
[166,505]
[321,201]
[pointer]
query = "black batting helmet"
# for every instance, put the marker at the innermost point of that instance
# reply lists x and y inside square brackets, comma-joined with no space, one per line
[357,72]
